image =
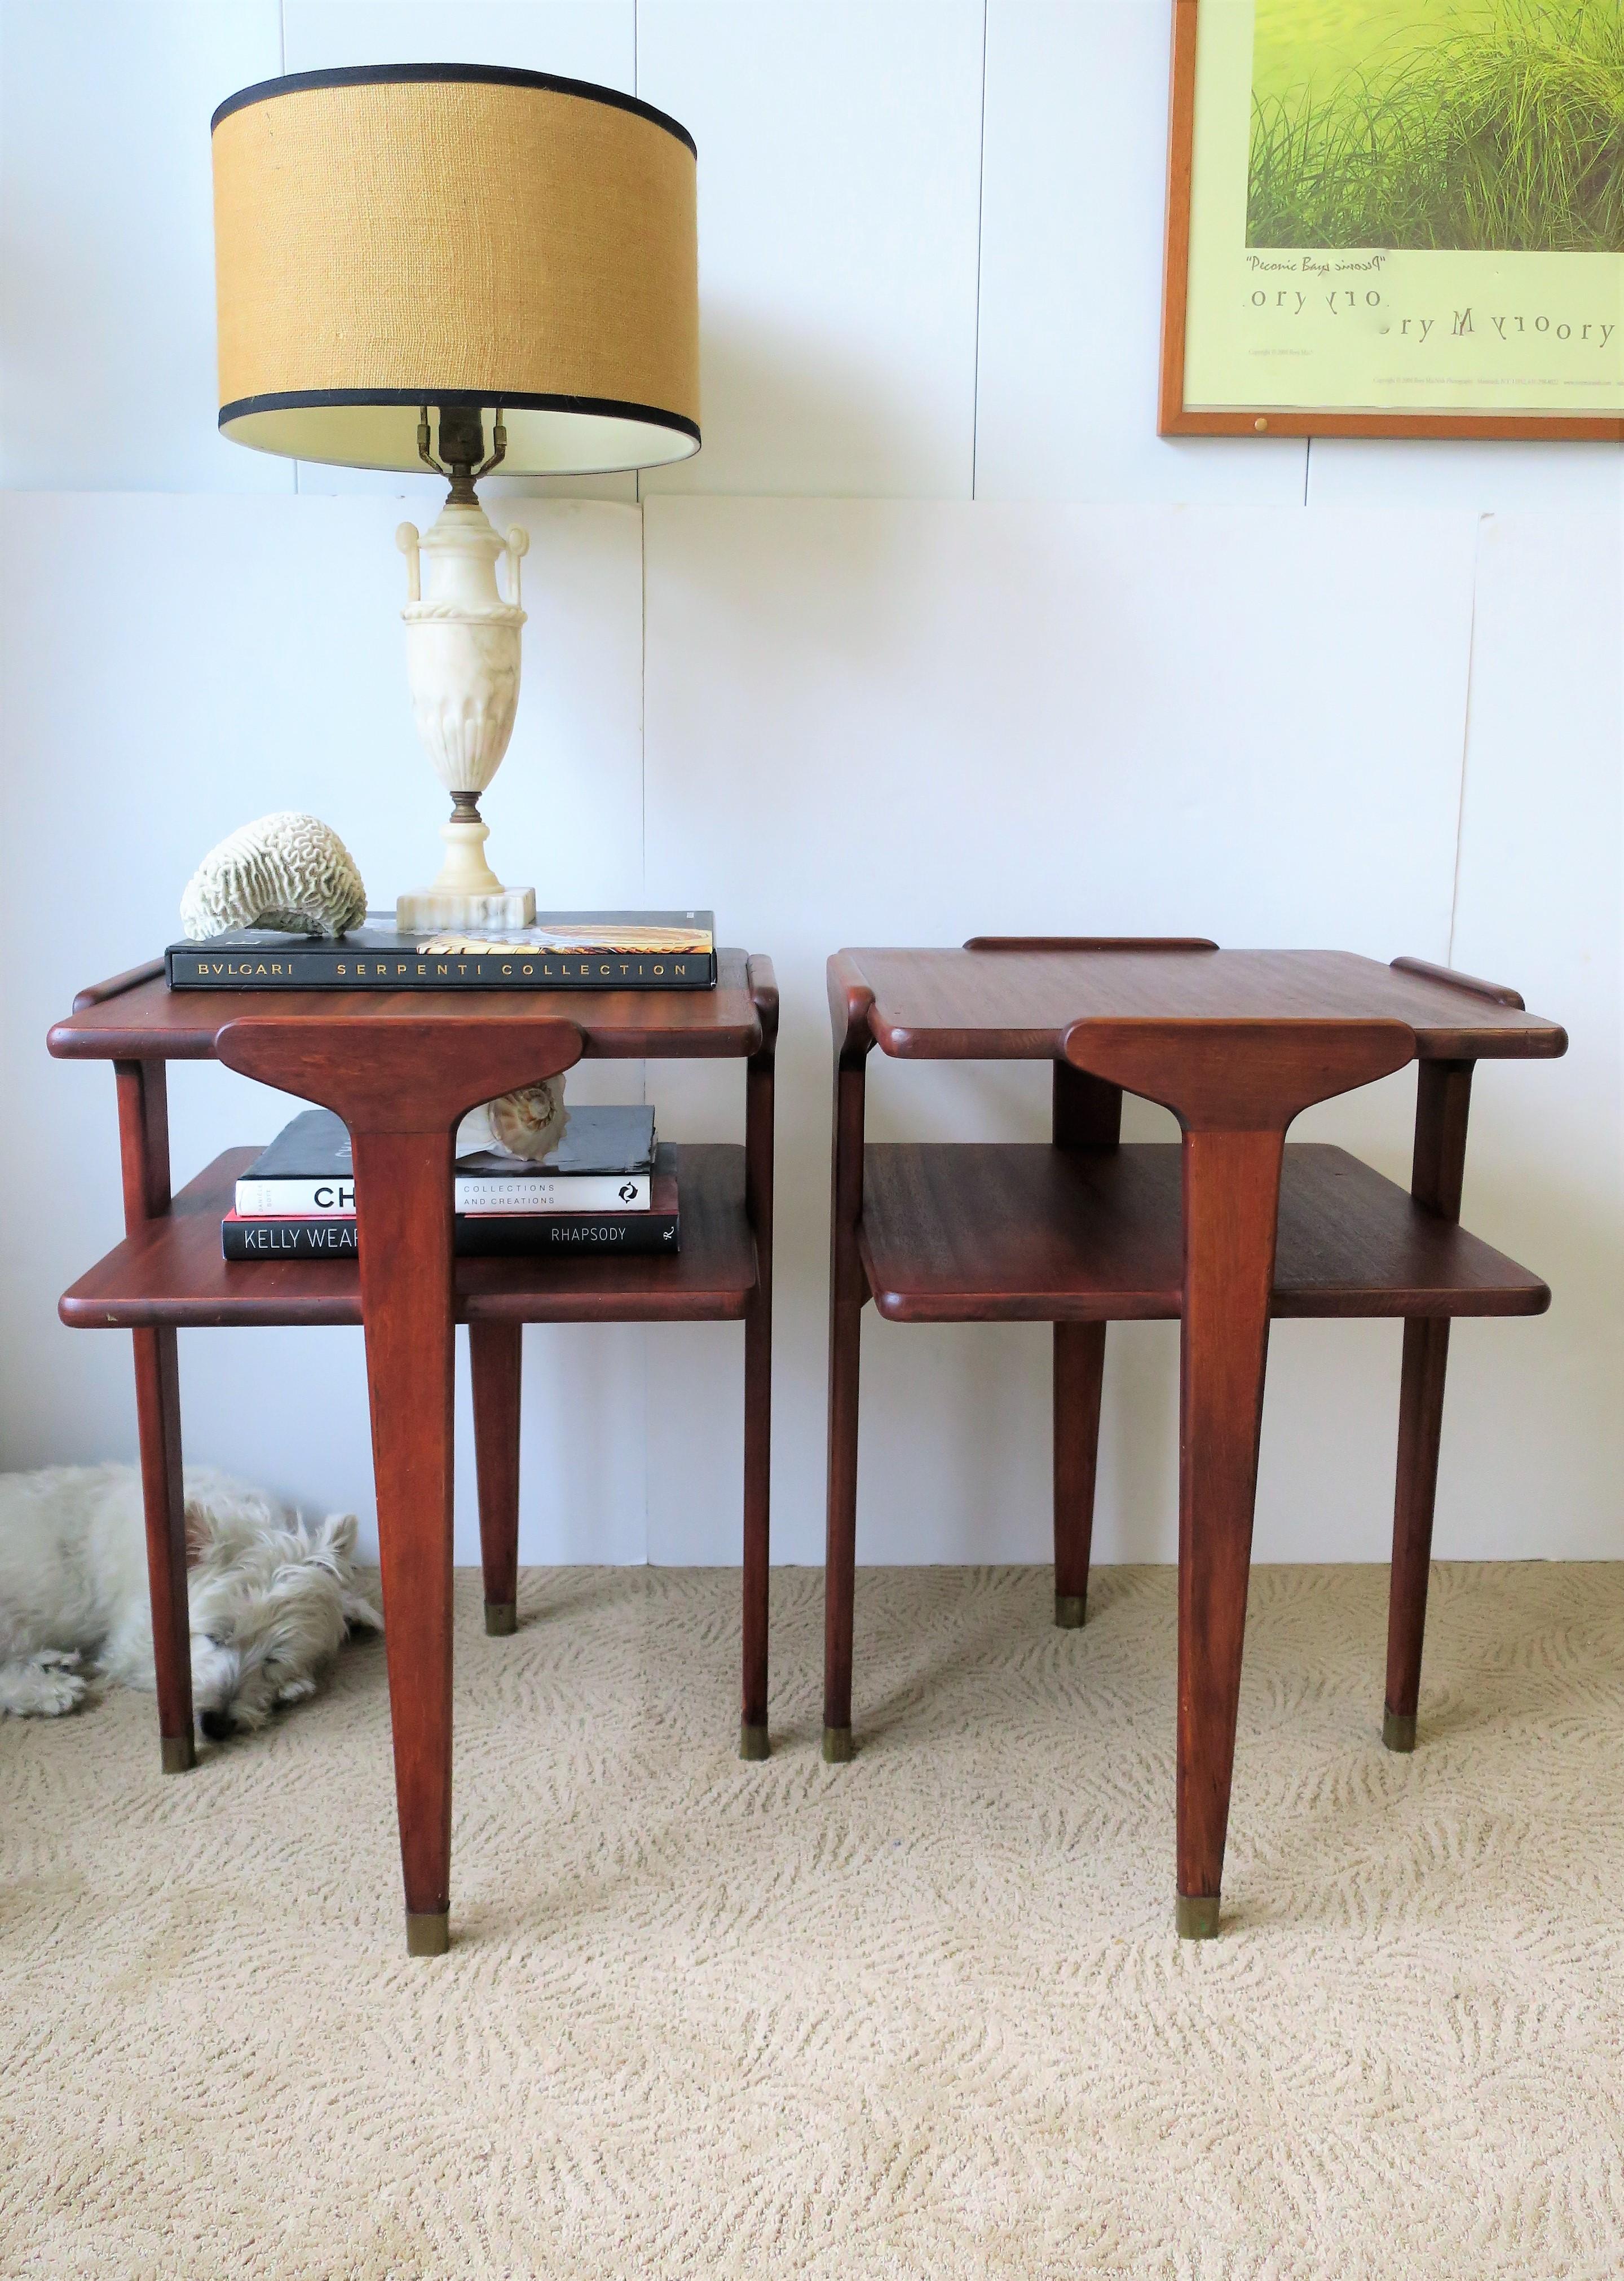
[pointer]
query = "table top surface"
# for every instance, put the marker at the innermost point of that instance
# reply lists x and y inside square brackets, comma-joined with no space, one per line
[987,1004]
[148,1021]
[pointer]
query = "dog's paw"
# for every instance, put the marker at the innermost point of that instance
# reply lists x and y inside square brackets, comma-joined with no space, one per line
[60,1690]
[44,1687]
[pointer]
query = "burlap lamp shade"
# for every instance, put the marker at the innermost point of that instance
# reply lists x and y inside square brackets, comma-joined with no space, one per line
[455,236]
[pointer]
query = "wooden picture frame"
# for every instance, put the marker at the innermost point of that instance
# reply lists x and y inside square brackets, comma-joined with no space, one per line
[1178,416]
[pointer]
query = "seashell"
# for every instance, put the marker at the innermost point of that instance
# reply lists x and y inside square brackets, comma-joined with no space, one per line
[528,1123]
[289,871]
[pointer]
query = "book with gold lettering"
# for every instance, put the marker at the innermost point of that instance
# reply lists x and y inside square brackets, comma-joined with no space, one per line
[564,950]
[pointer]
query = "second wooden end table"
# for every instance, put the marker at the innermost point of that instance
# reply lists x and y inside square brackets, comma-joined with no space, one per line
[1224,1231]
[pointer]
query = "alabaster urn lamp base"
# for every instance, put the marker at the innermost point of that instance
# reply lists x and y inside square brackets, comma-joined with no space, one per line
[462,662]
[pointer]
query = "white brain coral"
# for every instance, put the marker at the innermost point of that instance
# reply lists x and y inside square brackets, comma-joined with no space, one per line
[287,870]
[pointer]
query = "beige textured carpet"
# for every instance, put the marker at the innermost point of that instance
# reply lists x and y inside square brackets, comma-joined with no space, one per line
[921,2015]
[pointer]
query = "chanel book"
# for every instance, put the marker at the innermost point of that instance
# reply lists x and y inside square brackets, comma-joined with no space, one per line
[564,950]
[604,1163]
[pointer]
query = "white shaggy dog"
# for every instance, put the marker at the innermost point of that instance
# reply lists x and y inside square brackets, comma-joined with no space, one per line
[271,1598]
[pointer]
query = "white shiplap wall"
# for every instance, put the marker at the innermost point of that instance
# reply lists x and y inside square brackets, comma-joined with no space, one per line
[838,202]
[957,588]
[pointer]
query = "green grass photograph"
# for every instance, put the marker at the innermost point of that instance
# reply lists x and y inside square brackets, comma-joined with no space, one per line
[1464,125]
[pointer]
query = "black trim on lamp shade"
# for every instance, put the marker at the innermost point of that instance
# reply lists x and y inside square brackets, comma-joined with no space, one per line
[603,407]
[583,407]
[265,91]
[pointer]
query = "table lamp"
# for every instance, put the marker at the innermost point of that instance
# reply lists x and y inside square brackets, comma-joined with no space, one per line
[456,266]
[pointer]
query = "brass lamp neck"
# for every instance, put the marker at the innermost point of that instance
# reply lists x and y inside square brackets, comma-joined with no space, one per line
[462,449]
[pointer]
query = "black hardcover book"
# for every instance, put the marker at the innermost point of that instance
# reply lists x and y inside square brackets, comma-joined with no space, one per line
[564,950]
[615,1137]
[479,1235]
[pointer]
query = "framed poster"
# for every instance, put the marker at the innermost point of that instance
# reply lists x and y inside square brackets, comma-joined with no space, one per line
[1396,218]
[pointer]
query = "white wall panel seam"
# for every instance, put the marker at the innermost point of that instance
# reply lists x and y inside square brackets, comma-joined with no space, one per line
[637,497]
[643,699]
[281,65]
[642,875]
[980,200]
[1466,741]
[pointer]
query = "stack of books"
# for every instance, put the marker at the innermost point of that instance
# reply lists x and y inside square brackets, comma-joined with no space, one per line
[605,1188]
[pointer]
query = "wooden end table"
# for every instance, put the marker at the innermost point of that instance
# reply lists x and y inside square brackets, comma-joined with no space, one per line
[401,1069]
[1223,1230]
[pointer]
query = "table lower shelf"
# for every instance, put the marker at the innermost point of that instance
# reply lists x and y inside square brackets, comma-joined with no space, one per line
[172,1271]
[972,1232]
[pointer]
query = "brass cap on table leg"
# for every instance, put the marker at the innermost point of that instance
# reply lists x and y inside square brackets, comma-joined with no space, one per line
[501,1618]
[1070,1611]
[1197,1916]
[180,1753]
[428,1932]
[752,1741]
[837,1746]
[1398,1730]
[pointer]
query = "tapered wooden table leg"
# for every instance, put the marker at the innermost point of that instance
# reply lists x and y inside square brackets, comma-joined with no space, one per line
[1079,1374]
[496,1363]
[753,1738]
[143,1146]
[403,1188]
[400,1083]
[848,1290]
[1234,1088]
[1086,1113]
[840,1576]
[1420,1428]
[1443,1103]
[754,1743]
[158,1410]
[1231,1199]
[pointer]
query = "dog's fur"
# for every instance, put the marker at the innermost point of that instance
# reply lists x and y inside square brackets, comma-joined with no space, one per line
[272,1598]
